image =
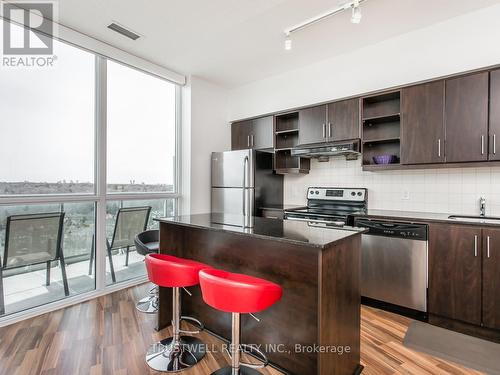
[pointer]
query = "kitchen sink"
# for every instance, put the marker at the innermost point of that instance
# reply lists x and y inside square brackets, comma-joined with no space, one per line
[476,219]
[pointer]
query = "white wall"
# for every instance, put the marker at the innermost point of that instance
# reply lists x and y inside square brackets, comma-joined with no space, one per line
[456,45]
[205,129]
[453,190]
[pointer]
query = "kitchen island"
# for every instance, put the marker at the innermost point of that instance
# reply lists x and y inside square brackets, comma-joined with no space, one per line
[315,327]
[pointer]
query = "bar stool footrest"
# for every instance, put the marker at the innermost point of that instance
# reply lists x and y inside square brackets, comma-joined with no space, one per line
[200,325]
[252,349]
[243,371]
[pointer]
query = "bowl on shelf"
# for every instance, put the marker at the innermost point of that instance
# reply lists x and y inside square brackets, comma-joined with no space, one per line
[385,159]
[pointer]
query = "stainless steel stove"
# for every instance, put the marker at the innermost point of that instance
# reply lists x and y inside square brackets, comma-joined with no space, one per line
[330,207]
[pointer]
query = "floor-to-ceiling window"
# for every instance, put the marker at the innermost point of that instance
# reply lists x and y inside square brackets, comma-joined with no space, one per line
[141,149]
[80,143]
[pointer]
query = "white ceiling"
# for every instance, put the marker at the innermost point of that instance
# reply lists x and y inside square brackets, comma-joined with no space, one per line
[233,42]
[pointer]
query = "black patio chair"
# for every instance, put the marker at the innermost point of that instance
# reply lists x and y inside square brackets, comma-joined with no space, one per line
[33,239]
[130,221]
[148,242]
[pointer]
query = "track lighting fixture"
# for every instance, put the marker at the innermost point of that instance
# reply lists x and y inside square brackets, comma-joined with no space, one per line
[353,6]
[356,13]
[288,43]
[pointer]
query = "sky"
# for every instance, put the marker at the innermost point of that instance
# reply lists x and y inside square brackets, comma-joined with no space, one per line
[47,122]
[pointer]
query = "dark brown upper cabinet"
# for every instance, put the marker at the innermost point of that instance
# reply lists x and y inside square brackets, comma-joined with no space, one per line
[491,278]
[455,272]
[494,149]
[257,134]
[240,135]
[466,117]
[262,133]
[312,125]
[343,120]
[422,124]
[337,121]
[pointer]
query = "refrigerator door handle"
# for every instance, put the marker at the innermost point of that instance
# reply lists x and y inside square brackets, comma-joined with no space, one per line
[245,165]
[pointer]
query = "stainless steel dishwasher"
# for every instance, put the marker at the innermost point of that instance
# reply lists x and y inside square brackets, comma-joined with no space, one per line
[394,263]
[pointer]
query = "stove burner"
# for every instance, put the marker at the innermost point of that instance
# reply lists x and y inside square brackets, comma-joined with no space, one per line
[330,207]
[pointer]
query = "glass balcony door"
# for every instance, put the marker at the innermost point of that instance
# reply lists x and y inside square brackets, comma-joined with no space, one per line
[80,148]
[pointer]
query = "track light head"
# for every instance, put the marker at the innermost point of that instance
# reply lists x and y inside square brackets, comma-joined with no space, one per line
[356,13]
[288,43]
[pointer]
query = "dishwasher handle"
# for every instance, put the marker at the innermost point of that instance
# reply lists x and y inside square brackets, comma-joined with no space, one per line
[394,229]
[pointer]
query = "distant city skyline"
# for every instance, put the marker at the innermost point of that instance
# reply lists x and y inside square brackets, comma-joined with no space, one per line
[14,188]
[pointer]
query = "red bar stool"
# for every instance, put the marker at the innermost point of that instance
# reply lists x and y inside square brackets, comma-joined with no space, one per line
[238,294]
[178,352]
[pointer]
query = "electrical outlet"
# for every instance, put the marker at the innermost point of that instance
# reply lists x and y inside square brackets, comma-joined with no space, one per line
[406,195]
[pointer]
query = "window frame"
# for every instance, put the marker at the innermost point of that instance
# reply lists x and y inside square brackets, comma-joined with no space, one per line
[101,196]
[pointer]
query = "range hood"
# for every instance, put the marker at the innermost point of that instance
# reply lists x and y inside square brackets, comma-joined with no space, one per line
[322,151]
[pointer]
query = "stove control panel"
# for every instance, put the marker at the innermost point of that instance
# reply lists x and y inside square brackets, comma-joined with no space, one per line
[336,194]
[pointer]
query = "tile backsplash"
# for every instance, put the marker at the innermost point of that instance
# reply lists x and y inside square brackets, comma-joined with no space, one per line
[446,190]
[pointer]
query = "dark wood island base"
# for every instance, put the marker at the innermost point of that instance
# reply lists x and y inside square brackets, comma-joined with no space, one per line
[315,328]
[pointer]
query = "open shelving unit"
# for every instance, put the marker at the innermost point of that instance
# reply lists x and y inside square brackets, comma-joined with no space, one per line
[381,128]
[286,137]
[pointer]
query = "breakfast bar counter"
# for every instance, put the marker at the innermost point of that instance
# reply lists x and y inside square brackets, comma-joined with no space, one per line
[315,327]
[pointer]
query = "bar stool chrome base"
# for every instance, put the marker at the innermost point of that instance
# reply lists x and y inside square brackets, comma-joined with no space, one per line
[178,352]
[149,304]
[166,356]
[242,371]
[235,350]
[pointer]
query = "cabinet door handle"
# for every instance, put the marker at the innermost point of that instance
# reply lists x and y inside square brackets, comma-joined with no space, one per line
[494,144]
[475,246]
[329,130]
[439,147]
[488,246]
[482,145]
[324,130]
[248,141]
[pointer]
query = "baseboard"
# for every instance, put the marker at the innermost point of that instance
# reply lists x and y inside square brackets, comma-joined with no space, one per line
[410,313]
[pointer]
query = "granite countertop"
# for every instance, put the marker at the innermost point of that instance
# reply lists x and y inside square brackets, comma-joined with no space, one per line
[280,207]
[296,232]
[419,217]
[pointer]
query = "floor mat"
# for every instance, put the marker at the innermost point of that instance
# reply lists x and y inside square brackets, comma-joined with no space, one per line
[466,350]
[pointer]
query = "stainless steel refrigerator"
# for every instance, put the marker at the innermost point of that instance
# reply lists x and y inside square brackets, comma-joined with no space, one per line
[243,182]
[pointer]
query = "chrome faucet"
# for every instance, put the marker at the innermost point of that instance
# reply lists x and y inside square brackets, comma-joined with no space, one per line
[482,206]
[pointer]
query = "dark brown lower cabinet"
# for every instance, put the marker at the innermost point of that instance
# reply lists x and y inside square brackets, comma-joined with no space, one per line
[491,278]
[273,213]
[455,272]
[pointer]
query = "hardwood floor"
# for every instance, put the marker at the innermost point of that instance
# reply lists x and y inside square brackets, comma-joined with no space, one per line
[108,336]
[382,350]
